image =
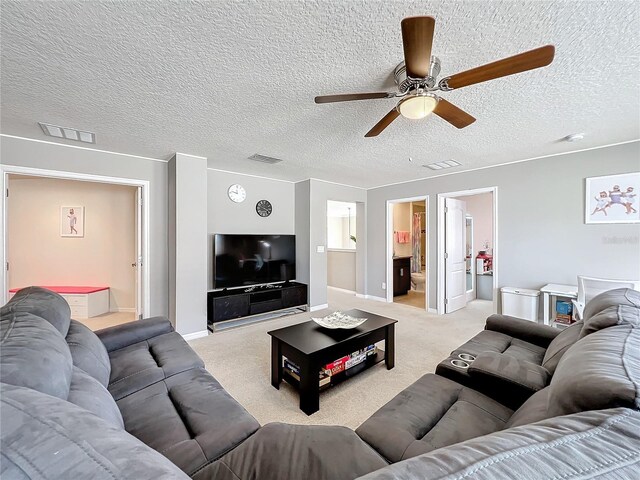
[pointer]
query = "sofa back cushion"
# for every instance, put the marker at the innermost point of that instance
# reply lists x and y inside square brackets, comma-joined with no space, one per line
[88,393]
[600,371]
[33,354]
[45,304]
[44,437]
[88,352]
[614,307]
[560,345]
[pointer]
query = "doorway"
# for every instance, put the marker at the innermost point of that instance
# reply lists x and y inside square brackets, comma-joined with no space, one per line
[467,248]
[342,246]
[407,252]
[67,230]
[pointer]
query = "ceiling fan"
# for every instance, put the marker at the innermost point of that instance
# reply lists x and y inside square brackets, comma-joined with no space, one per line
[416,78]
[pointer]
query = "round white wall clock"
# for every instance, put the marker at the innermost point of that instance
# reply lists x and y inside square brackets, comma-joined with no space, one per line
[237,193]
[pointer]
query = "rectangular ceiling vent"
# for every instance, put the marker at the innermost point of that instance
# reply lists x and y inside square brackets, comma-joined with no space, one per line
[264,159]
[441,165]
[68,133]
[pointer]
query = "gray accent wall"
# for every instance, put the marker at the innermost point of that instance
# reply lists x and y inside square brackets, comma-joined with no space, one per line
[302,222]
[188,253]
[542,237]
[320,192]
[225,216]
[49,156]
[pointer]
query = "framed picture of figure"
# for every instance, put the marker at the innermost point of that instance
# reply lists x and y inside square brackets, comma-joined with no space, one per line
[72,221]
[612,199]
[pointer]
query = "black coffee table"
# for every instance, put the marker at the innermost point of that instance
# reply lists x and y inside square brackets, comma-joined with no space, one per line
[311,346]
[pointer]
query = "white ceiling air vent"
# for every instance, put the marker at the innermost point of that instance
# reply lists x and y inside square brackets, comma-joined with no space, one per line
[264,159]
[441,165]
[68,133]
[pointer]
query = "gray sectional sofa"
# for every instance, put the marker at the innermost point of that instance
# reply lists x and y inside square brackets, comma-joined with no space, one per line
[135,402]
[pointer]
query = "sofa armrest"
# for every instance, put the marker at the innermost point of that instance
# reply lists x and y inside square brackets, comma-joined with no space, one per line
[127,334]
[525,330]
[515,379]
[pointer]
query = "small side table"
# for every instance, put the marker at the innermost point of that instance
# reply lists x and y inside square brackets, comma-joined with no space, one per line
[555,290]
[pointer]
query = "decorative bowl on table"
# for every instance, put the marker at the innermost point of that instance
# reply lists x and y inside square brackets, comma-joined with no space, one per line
[339,320]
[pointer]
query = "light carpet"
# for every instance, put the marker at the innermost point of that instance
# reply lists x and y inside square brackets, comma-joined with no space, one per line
[240,360]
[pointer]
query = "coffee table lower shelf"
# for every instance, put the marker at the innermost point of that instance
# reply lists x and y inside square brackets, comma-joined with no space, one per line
[338,378]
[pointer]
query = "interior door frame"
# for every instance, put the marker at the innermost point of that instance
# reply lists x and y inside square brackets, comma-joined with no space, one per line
[440,287]
[389,246]
[6,170]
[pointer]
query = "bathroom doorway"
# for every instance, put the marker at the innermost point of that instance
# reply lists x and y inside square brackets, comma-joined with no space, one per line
[407,252]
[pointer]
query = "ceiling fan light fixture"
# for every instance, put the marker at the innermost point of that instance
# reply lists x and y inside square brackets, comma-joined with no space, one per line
[419,106]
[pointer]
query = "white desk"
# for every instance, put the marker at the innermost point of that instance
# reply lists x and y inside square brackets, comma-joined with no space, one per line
[554,290]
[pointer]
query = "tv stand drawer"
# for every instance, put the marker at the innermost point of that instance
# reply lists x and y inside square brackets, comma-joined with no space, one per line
[262,307]
[226,308]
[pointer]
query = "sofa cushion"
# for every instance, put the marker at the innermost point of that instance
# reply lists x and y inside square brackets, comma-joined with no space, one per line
[88,393]
[47,438]
[600,444]
[33,354]
[88,352]
[531,411]
[187,417]
[560,345]
[45,304]
[294,452]
[613,307]
[490,341]
[432,413]
[600,371]
[139,365]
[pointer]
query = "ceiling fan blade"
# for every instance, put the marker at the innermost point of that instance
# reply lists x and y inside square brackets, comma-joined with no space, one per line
[417,37]
[452,114]
[539,57]
[384,123]
[347,97]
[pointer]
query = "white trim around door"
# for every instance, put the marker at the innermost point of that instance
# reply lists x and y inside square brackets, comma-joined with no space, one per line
[440,290]
[6,170]
[389,246]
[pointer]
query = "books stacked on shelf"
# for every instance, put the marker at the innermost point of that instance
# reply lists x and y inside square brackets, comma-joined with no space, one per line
[294,371]
[343,364]
[564,313]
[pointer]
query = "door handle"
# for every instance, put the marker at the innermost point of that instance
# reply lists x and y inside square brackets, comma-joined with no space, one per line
[402,272]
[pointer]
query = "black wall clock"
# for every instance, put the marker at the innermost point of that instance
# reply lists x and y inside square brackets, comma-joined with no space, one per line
[264,208]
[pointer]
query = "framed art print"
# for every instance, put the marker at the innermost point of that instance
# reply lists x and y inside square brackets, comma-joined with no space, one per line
[72,221]
[612,199]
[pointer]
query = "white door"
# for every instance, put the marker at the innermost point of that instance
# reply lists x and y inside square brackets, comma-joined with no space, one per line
[455,255]
[138,265]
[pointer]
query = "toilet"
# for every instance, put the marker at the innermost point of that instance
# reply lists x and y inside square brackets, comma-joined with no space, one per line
[418,280]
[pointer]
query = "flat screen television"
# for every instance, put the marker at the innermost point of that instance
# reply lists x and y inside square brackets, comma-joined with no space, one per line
[241,260]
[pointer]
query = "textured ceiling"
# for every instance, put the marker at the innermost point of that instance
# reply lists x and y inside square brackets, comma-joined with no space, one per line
[226,79]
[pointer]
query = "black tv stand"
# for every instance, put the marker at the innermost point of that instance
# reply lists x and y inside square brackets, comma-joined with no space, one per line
[241,302]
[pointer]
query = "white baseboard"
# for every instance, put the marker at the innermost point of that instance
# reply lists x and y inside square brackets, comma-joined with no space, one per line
[318,307]
[116,310]
[343,290]
[433,310]
[194,335]
[377,299]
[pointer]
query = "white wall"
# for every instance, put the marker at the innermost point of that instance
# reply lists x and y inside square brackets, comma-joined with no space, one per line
[38,255]
[225,216]
[50,156]
[541,231]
